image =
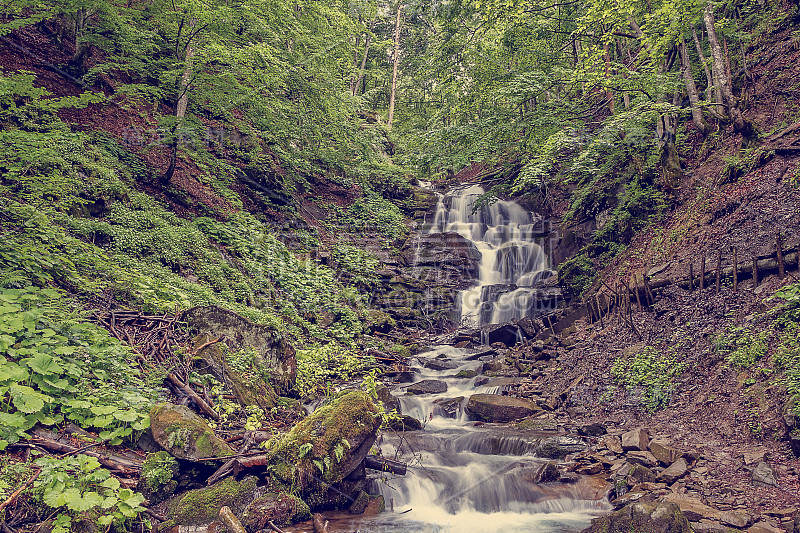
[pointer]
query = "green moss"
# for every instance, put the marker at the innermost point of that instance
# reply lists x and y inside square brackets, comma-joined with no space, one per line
[198,507]
[466,374]
[337,427]
[185,433]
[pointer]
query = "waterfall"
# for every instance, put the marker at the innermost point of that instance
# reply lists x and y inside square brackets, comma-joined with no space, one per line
[512,262]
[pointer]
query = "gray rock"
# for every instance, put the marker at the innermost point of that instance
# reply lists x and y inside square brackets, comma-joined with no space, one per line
[764,527]
[636,439]
[547,473]
[640,474]
[406,423]
[656,517]
[613,443]
[763,476]
[558,447]
[735,518]
[496,408]
[674,472]
[427,386]
[385,396]
[448,407]
[595,429]
[439,364]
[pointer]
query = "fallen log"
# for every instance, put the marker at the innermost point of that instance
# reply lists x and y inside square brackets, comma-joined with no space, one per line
[231,522]
[119,465]
[373,462]
[201,403]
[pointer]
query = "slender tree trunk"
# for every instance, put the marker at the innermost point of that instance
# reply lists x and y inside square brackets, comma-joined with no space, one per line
[81,55]
[721,73]
[704,61]
[181,104]
[392,93]
[691,89]
[354,87]
[609,94]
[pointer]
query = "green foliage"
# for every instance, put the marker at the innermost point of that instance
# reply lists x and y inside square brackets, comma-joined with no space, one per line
[742,347]
[787,357]
[790,308]
[652,372]
[318,367]
[577,274]
[56,366]
[76,485]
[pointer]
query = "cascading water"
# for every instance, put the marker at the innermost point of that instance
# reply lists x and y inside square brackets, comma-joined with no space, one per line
[464,478]
[512,262]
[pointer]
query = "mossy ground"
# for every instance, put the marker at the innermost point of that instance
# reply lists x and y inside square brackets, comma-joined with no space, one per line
[184,432]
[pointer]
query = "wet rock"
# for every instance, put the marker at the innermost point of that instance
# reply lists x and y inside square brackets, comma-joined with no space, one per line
[337,436]
[508,334]
[709,527]
[466,374]
[665,454]
[448,407]
[406,423]
[558,447]
[674,472]
[281,509]
[496,408]
[642,517]
[547,473]
[594,429]
[636,439]
[390,403]
[273,354]
[439,364]
[482,381]
[427,386]
[441,250]
[763,476]
[359,504]
[375,506]
[184,434]
[201,506]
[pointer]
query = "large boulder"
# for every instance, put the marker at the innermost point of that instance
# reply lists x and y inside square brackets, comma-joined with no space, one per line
[273,356]
[642,518]
[326,447]
[559,446]
[496,408]
[185,435]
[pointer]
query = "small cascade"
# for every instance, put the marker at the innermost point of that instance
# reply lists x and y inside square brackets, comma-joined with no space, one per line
[469,478]
[512,261]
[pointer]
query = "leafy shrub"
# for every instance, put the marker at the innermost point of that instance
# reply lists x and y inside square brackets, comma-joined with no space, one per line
[742,347]
[787,357]
[77,485]
[652,372]
[55,366]
[317,367]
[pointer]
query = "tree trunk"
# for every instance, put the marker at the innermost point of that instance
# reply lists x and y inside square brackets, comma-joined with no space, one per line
[181,105]
[704,61]
[354,87]
[81,55]
[393,92]
[721,73]
[691,89]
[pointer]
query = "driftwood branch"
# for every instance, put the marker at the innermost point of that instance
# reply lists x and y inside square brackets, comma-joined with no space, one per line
[17,492]
[374,462]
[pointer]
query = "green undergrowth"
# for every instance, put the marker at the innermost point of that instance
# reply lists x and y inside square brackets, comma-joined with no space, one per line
[319,367]
[55,366]
[651,373]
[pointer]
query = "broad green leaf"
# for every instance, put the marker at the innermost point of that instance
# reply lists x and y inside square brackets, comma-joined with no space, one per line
[103,409]
[43,364]
[12,372]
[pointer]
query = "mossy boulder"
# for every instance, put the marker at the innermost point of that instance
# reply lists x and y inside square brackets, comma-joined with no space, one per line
[327,446]
[664,517]
[275,356]
[184,434]
[157,480]
[201,506]
[379,321]
[280,508]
